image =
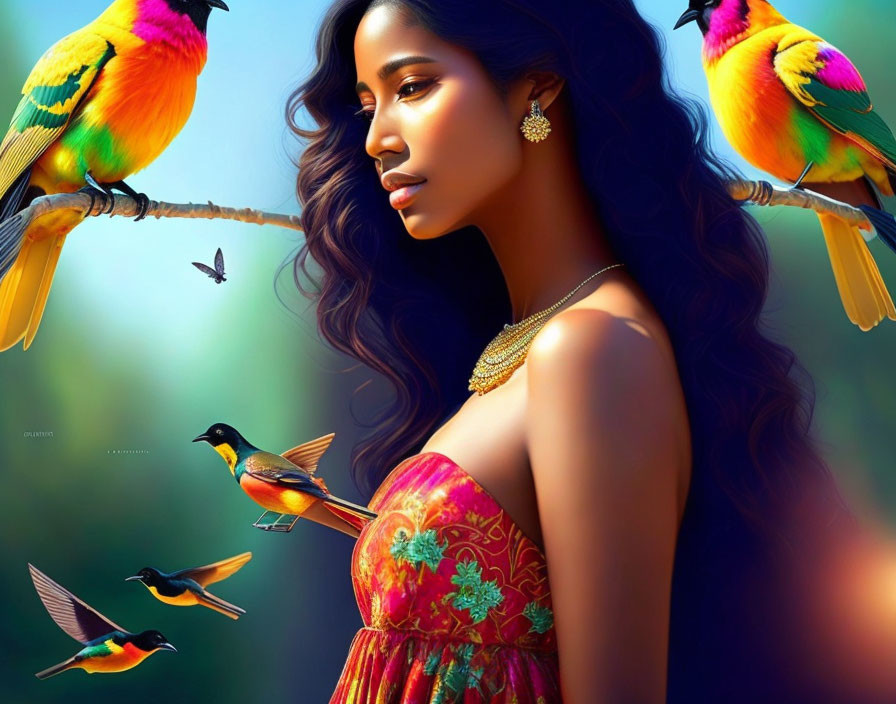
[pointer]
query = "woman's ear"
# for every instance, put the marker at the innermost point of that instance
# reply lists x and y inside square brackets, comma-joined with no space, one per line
[545,86]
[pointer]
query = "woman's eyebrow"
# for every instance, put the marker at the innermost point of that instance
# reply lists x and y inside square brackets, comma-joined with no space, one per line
[391,67]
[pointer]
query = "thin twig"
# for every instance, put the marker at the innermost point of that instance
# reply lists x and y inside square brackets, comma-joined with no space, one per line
[128,207]
[764,193]
[758,192]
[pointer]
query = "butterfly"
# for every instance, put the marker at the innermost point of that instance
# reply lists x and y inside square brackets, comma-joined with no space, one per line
[218,272]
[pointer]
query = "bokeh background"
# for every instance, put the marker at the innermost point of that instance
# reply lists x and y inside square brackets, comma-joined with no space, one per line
[138,353]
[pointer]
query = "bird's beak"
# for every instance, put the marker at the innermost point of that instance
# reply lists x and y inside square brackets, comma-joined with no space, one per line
[135,578]
[219,4]
[689,16]
[168,646]
[199,438]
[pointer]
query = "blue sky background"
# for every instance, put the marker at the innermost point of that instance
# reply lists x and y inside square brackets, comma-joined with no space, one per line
[139,351]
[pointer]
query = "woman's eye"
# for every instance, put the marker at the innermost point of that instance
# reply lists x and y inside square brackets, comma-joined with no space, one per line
[413,84]
[367,113]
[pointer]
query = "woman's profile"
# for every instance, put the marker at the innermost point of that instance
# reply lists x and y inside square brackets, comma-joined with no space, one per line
[623,508]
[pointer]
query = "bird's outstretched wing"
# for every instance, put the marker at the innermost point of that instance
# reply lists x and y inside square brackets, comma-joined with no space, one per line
[276,469]
[826,82]
[54,90]
[219,262]
[72,615]
[308,454]
[215,572]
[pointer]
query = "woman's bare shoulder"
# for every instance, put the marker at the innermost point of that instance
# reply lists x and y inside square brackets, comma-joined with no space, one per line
[606,365]
[610,356]
[617,315]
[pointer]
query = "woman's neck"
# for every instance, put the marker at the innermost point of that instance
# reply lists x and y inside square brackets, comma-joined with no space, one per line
[544,230]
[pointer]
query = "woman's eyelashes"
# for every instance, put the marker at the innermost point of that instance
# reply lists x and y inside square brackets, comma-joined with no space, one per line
[367,114]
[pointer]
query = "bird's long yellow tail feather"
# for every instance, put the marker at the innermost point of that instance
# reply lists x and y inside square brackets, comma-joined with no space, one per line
[862,289]
[216,603]
[25,288]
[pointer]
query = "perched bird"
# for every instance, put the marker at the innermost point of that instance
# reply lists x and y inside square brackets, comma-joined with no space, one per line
[795,106]
[187,587]
[100,105]
[218,272]
[285,484]
[107,647]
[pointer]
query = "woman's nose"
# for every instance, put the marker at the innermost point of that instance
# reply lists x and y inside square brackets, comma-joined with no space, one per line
[383,136]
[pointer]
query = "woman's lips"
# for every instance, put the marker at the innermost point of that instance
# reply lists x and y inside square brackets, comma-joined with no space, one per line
[401,197]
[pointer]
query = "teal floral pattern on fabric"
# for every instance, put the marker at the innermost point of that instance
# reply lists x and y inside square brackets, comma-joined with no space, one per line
[454,675]
[454,598]
[542,617]
[474,594]
[421,548]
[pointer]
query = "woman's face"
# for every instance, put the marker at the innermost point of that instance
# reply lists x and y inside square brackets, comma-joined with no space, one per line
[436,118]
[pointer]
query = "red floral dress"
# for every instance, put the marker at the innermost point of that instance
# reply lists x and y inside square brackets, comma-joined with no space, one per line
[453,596]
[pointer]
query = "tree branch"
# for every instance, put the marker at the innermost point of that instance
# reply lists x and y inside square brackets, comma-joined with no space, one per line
[758,192]
[764,193]
[128,207]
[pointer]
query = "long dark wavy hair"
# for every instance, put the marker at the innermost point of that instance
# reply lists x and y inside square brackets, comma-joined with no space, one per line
[420,312]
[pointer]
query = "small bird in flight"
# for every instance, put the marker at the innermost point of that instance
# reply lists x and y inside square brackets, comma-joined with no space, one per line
[107,647]
[187,587]
[218,272]
[285,484]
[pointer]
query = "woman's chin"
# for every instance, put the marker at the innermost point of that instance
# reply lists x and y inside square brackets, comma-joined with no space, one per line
[419,225]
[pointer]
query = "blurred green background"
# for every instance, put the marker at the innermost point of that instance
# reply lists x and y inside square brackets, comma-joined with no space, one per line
[138,353]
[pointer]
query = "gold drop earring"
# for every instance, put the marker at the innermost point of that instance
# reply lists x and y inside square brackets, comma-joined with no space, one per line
[535,126]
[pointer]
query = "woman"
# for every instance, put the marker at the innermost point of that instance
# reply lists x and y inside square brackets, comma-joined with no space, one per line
[620,512]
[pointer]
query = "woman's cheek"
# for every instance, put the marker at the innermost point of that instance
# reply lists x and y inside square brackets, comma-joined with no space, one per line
[469,154]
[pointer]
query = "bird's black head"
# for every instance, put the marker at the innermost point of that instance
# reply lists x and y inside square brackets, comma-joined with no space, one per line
[148,641]
[222,434]
[699,11]
[150,576]
[197,10]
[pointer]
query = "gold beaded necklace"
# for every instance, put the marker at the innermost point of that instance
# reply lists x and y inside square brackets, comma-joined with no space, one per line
[508,350]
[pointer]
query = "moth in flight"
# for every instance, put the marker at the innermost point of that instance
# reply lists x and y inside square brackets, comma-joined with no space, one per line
[218,272]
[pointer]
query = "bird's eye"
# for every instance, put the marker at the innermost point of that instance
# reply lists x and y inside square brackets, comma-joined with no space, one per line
[219,431]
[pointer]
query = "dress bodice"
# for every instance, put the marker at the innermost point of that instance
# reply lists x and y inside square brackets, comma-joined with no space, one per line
[443,557]
[454,597]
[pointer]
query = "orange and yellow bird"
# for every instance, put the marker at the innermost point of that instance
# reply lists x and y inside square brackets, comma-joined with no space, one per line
[107,647]
[188,587]
[286,484]
[795,106]
[100,105]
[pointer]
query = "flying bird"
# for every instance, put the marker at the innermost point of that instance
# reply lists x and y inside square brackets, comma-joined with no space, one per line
[100,105]
[187,587]
[796,107]
[218,272]
[285,484]
[107,647]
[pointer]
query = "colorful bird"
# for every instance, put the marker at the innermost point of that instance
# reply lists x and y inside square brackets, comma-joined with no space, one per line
[795,106]
[107,647]
[285,484]
[100,105]
[187,587]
